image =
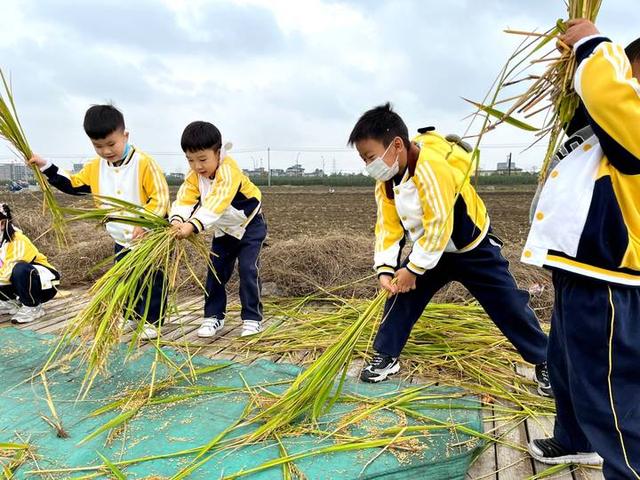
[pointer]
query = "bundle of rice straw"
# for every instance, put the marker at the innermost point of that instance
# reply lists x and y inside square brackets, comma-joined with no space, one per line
[548,95]
[115,295]
[11,130]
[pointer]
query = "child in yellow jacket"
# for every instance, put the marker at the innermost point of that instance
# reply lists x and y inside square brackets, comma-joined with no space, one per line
[27,279]
[121,171]
[416,194]
[218,196]
[586,230]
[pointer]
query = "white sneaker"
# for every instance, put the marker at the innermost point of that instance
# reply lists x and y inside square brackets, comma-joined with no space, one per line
[250,327]
[149,332]
[9,307]
[210,326]
[28,314]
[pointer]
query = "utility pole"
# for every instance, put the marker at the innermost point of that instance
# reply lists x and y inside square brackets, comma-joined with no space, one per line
[269,166]
[509,164]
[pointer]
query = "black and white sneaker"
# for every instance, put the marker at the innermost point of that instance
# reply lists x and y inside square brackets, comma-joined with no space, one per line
[542,378]
[380,367]
[549,451]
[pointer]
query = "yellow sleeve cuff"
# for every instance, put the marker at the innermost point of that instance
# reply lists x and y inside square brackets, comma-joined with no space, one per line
[413,268]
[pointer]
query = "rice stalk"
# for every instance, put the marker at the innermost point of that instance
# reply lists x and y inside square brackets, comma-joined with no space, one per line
[115,295]
[310,395]
[147,395]
[312,392]
[55,421]
[548,472]
[16,455]
[11,131]
[456,344]
[112,469]
[359,444]
[550,92]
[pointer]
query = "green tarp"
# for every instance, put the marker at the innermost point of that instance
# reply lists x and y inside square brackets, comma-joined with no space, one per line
[190,423]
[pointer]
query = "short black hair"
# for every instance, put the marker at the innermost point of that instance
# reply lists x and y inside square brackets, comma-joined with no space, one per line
[380,123]
[201,135]
[633,50]
[9,230]
[102,120]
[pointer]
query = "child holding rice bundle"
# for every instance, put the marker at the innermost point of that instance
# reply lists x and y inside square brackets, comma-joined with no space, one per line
[218,196]
[27,279]
[120,171]
[586,229]
[416,197]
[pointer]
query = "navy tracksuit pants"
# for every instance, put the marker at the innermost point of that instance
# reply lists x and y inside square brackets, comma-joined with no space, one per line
[225,250]
[25,285]
[594,366]
[485,273]
[157,308]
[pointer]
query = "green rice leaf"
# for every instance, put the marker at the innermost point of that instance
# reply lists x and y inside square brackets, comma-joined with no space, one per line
[503,117]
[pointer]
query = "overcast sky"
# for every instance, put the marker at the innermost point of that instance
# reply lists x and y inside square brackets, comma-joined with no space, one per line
[290,74]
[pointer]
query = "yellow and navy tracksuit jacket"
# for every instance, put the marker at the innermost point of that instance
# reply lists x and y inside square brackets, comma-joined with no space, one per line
[424,207]
[138,180]
[20,249]
[587,220]
[225,203]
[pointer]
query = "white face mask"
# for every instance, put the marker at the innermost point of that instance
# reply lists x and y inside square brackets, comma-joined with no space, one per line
[379,170]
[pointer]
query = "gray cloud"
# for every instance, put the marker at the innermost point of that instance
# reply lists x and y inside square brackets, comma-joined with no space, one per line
[262,82]
[220,28]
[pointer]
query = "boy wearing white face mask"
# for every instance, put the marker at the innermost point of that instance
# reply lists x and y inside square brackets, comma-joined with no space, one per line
[452,241]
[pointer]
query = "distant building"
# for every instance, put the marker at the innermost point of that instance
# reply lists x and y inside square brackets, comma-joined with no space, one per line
[18,172]
[503,168]
[5,171]
[295,171]
[318,172]
[256,172]
[175,178]
[277,172]
[77,167]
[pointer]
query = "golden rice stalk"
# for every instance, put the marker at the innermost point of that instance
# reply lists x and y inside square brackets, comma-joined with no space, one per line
[116,294]
[549,94]
[11,130]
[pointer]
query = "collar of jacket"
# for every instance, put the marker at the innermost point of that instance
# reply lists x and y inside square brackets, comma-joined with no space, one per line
[412,160]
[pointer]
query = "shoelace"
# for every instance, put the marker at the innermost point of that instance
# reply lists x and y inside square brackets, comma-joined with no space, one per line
[544,375]
[378,360]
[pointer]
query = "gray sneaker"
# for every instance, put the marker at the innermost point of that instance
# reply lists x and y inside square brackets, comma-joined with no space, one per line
[27,314]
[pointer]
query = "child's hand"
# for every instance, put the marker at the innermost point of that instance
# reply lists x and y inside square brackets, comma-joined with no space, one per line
[138,232]
[405,280]
[37,160]
[183,230]
[578,29]
[386,282]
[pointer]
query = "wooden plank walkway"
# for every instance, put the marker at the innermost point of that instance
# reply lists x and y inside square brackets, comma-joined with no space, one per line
[498,462]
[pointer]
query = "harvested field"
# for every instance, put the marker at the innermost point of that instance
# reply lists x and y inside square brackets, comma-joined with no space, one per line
[316,240]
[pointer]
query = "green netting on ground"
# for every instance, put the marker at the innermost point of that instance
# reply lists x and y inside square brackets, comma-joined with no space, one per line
[189,423]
